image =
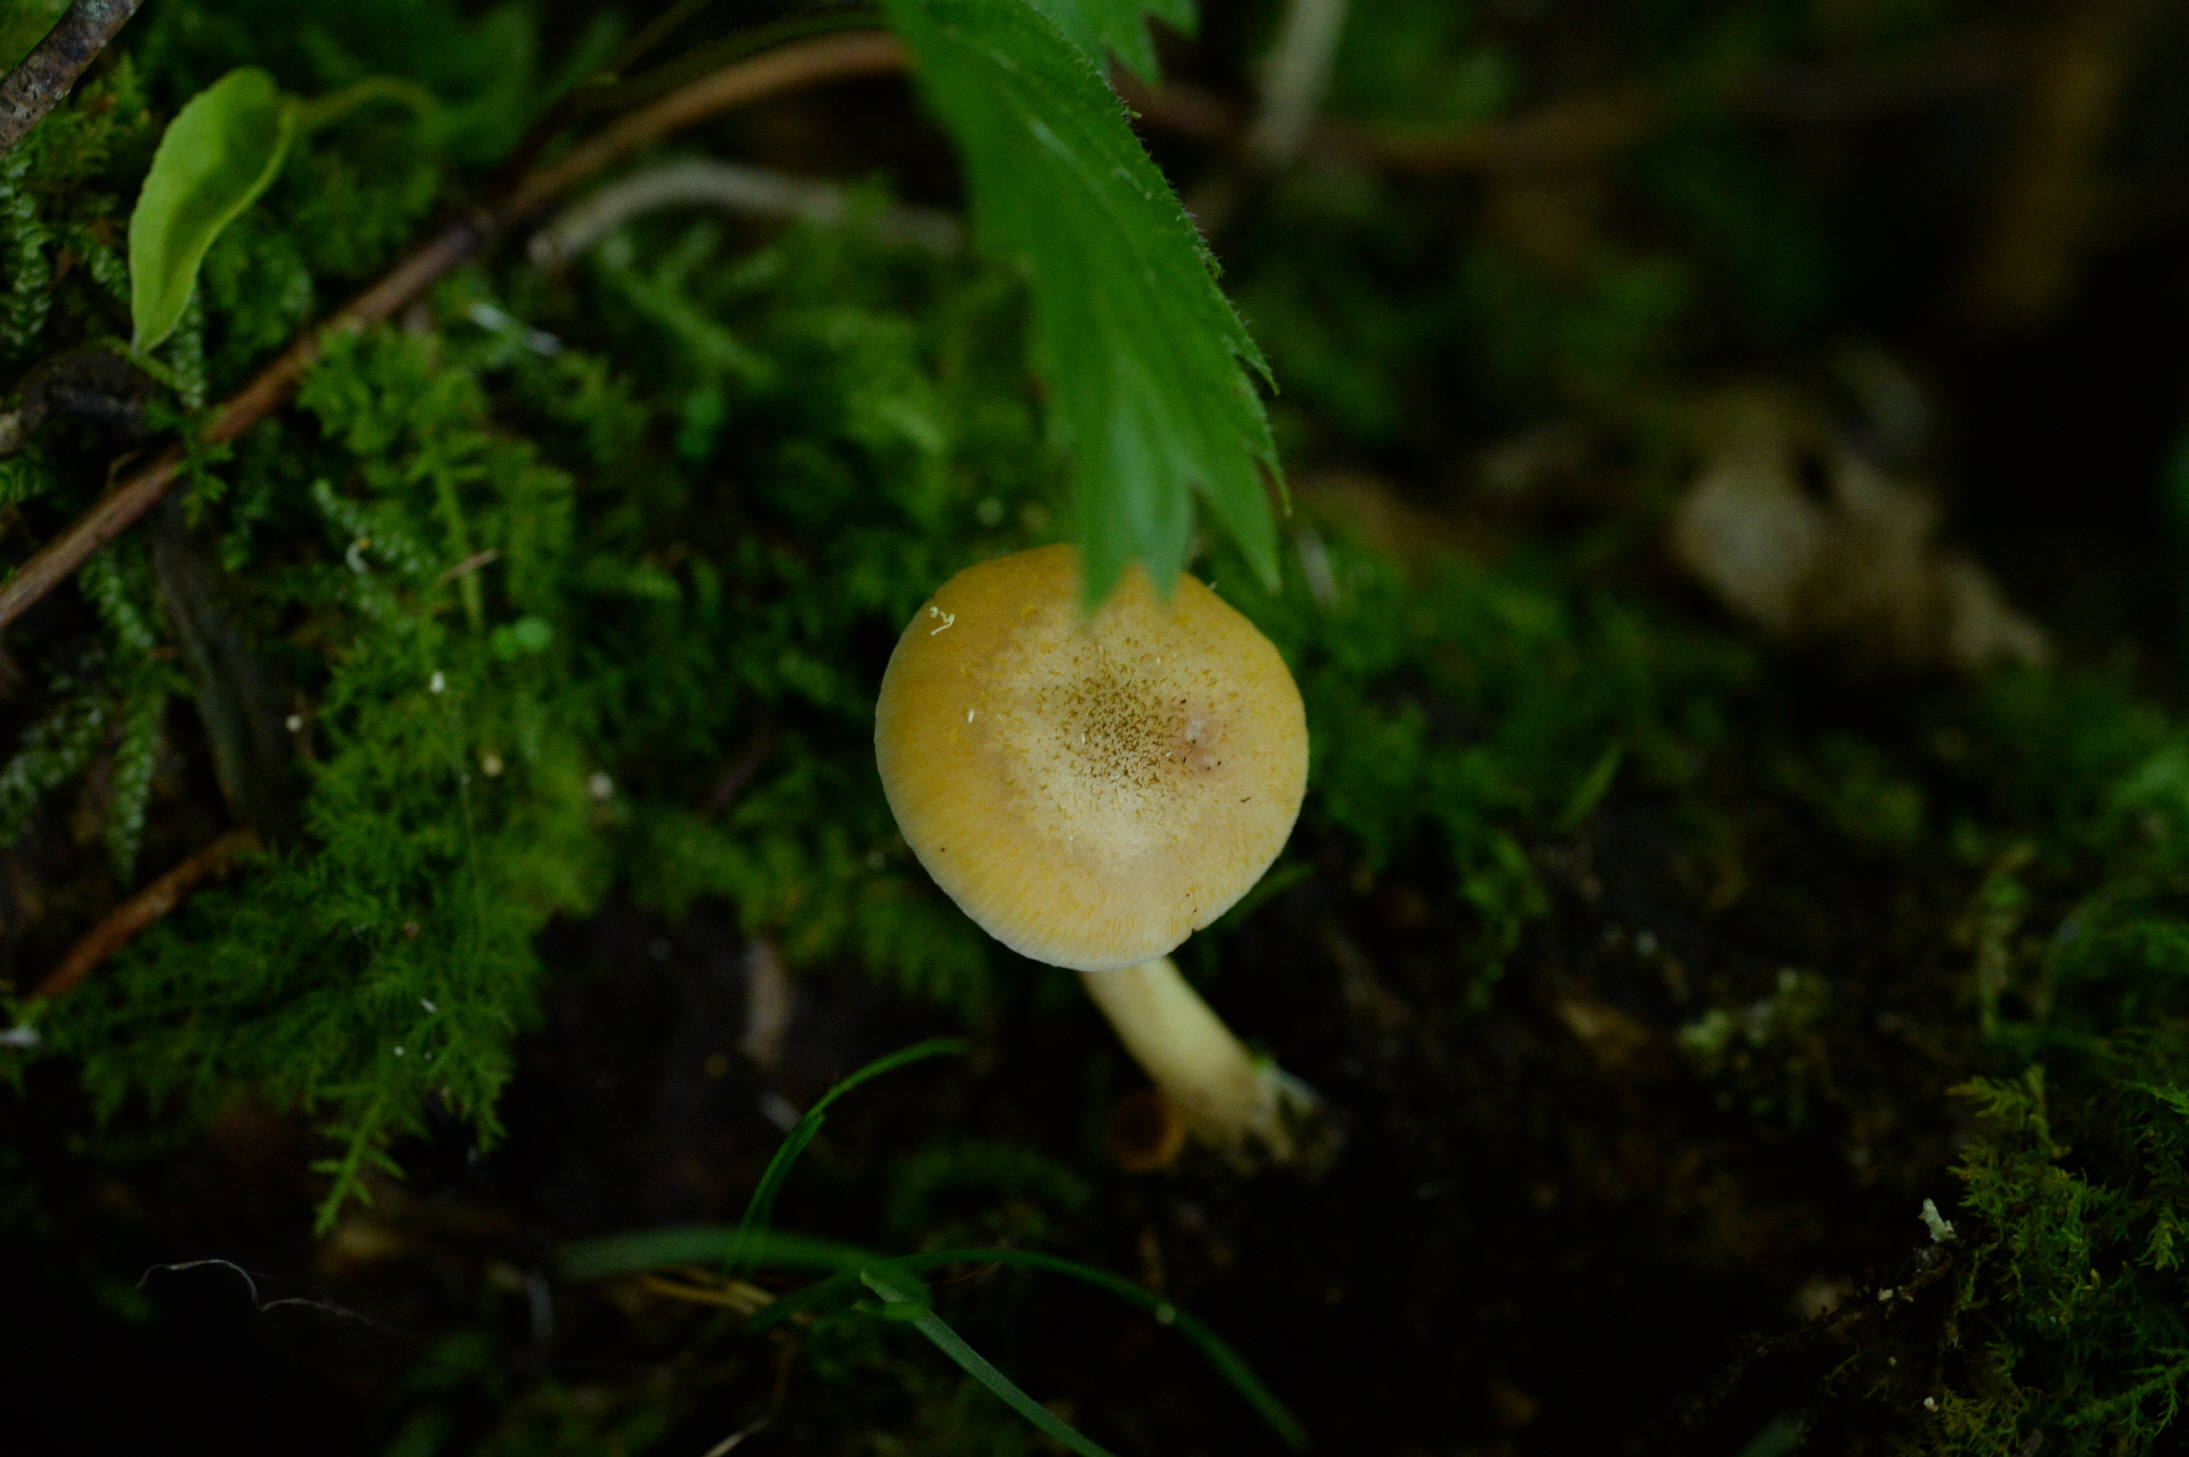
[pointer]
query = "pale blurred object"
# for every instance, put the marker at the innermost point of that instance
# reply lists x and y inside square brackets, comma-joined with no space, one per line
[734,187]
[1295,77]
[1800,534]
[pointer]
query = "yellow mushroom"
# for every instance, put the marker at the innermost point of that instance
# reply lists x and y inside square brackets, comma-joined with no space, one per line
[1093,791]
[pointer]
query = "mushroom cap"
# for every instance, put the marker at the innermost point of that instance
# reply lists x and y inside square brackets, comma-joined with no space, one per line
[1091,792]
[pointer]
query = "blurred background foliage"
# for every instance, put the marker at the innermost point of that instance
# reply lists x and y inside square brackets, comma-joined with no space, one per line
[1740,455]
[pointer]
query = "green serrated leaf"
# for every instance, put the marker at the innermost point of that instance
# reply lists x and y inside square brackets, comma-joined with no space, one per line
[1117,26]
[1149,370]
[218,154]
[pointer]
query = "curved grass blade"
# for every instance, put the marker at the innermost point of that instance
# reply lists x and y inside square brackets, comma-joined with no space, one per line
[762,1204]
[975,1365]
[847,1264]
[1214,1347]
[752,1243]
[218,154]
[838,1287]
[653,1249]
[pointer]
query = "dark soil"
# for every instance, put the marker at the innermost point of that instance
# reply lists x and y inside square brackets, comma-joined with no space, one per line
[1545,1233]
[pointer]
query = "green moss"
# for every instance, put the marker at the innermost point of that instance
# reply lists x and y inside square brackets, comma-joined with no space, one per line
[580,584]
[1482,708]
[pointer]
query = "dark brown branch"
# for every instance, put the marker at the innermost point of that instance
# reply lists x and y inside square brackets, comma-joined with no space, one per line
[621,95]
[53,65]
[1581,131]
[120,507]
[130,919]
[827,58]
[1560,134]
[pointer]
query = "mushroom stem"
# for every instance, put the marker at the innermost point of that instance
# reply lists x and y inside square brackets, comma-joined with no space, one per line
[1247,1109]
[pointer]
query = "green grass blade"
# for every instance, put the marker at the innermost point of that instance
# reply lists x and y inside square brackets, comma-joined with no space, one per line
[812,1297]
[1214,1347]
[975,1365]
[762,1205]
[760,1209]
[847,1265]
[654,1249]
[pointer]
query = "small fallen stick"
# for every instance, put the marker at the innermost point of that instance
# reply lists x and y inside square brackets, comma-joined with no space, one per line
[46,74]
[841,56]
[126,921]
[119,508]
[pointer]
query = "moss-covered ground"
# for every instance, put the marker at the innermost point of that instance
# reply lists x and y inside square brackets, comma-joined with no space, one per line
[1662,968]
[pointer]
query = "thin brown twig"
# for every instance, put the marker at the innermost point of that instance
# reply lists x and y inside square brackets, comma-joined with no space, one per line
[701,1287]
[147,906]
[141,491]
[646,85]
[45,75]
[1559,134]
[827,58]
[1579,131]
[843,56]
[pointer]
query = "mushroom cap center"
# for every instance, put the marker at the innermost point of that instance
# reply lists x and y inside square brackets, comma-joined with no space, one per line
[1091,792]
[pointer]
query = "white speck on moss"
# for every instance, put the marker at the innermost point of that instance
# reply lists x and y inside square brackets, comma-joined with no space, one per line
[1941,1228]
[436,683]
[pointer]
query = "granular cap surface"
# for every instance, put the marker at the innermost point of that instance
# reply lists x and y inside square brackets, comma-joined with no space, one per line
[1090,792]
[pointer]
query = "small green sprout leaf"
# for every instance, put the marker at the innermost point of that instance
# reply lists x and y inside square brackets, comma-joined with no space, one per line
[218,154]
